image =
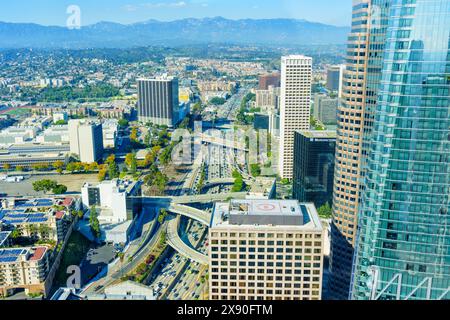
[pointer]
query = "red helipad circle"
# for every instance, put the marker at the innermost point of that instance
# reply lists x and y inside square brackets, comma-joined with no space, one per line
[266,207]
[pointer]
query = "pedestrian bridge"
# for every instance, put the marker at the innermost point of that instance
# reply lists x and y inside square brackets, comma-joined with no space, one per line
[174,240]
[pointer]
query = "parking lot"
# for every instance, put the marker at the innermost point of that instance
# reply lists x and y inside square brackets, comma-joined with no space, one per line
[25,188]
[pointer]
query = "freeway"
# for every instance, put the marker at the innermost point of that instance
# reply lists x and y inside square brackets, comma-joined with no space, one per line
[175,241]
[119,270]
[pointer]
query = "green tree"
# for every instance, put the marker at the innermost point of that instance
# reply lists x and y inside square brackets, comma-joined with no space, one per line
[59,189]
[71,167]
[44,185]
[113,170]
[58,166]
[325,211]
[94,223]
[255,170]
[123,123]
[162,215]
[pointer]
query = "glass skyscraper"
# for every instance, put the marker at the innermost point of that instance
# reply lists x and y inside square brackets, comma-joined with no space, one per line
[403,243]
[356,113]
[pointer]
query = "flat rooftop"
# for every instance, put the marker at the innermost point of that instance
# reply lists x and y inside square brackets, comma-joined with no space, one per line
[266,213]
[20,211]
[12,255]
[326,134]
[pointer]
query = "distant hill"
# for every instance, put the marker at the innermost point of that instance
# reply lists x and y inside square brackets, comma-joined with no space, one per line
[179,32]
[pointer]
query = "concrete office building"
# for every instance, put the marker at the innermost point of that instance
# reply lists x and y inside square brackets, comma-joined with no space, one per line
[114,197]
[335,78]
[314,166]
[295,110]
[158,101]
[265,250]
[116,206]
[86,140]
[356,114]
[325,109]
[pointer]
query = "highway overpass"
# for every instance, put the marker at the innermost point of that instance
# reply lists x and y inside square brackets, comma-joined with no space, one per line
[236,145]
[174,240]
[165,201]
[192,213]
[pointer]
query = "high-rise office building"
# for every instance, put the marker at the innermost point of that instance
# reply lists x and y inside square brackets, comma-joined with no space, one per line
[403,243]
[266,80]
[325,109]
[314,166]
[295,109]
[158,101]
[86,140]
[335,78]
[355,121]
[265,250]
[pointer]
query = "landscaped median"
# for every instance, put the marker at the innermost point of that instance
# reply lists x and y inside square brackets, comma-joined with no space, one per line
[144,270]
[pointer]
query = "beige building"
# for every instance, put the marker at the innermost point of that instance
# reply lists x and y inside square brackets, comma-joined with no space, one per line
[295,109]
[268,99]
[25,268]
[86,140]
[265,250]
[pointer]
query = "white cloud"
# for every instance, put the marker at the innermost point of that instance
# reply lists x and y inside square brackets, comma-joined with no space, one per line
[130,7]
[179,4]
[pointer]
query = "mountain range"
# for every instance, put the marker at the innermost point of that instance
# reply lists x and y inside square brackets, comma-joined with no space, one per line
[191,31]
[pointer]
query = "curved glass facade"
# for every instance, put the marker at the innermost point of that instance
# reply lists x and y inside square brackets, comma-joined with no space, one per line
[403,245]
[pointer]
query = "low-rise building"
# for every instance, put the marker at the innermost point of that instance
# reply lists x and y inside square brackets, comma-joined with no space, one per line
[38,218]
[17,135]
[46,225]
[265,250]
[25,268]
[54,134]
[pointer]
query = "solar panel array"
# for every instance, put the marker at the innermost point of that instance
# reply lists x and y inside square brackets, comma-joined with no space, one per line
[3,236]
[11,217]
[10,255]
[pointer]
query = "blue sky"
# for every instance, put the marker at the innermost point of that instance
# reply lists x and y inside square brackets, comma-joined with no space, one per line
[53,12]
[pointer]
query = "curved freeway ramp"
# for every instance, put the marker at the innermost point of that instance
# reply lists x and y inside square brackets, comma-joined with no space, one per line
[196,214]
[174,240]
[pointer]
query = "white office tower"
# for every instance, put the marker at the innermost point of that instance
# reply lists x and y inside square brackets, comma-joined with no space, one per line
[86,140]
[296,81]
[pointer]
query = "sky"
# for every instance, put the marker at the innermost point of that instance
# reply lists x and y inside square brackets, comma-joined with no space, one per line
[54,12]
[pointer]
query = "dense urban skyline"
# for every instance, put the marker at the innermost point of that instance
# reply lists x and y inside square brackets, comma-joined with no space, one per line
[226,160]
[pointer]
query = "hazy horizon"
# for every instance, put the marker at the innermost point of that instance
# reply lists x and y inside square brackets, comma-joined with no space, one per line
[54,12]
